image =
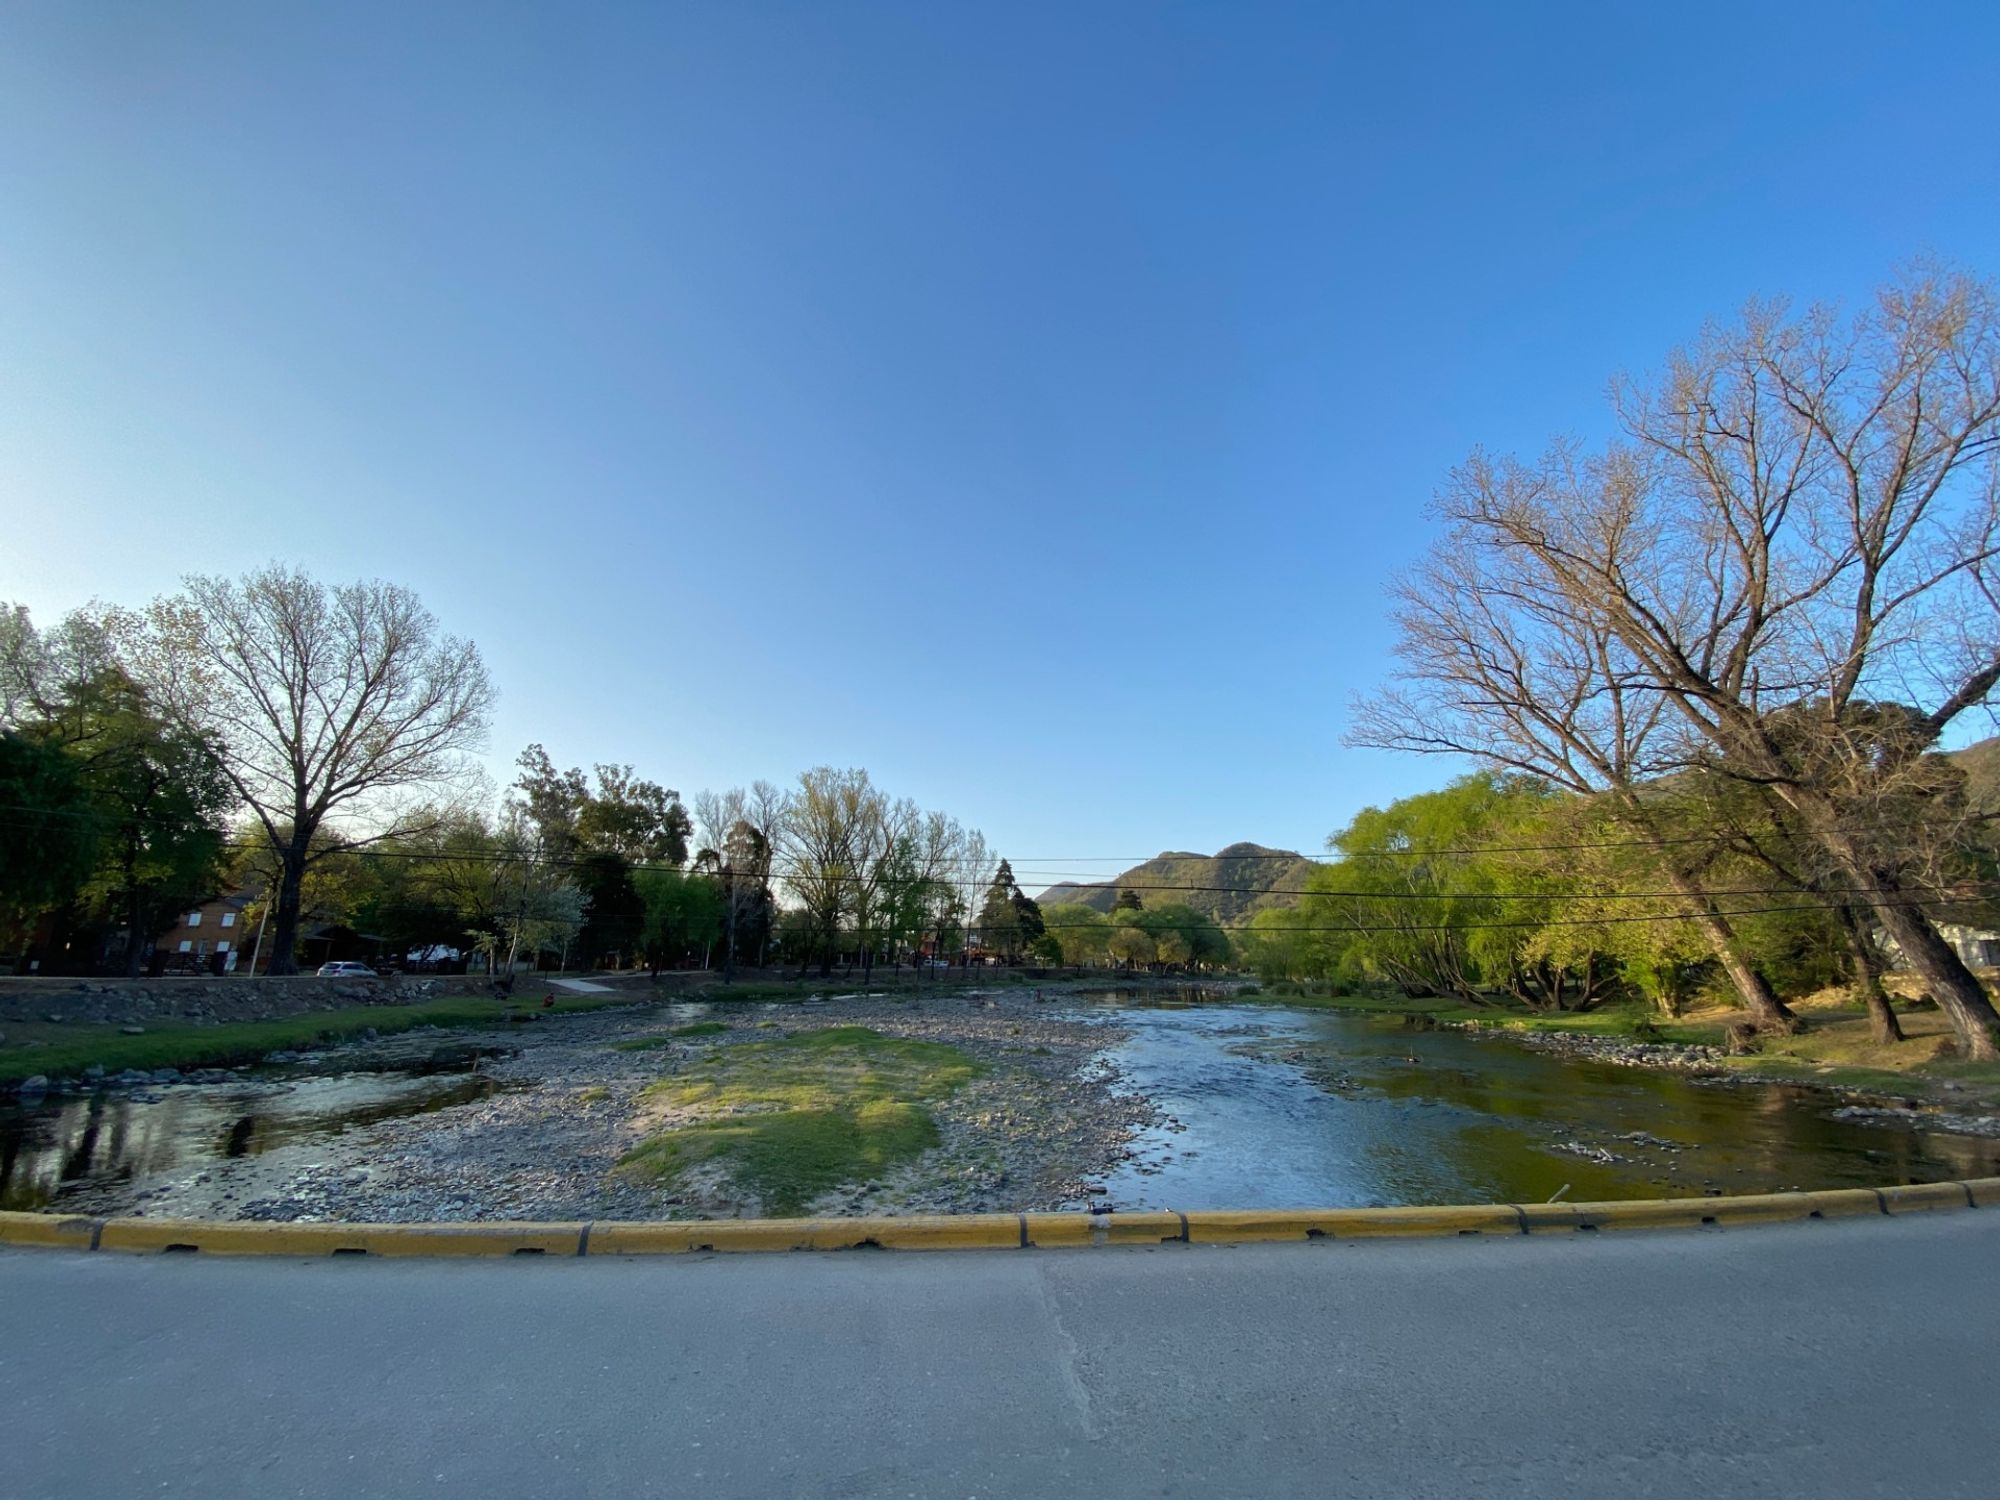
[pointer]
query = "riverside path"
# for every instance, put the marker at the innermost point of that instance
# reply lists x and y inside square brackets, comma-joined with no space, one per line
[1852,1358]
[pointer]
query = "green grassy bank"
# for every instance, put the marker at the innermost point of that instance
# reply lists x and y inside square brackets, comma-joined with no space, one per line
[70,1047]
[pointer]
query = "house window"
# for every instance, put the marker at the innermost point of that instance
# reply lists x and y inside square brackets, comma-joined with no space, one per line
[229,919]
[222,947]
[194,919]
[186,946]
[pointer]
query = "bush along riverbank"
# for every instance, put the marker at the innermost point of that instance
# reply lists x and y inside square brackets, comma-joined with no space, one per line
[1834,1050]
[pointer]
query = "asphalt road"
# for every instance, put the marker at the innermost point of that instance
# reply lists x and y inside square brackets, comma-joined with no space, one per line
[1840,1359]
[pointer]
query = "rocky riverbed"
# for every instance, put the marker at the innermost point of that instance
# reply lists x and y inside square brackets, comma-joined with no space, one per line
[556,1104]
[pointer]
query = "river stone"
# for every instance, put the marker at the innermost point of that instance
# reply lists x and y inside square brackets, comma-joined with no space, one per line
[39,1084]
[94,1072]
[132,1030]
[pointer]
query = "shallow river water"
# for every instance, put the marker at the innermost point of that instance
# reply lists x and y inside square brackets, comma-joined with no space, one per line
[102,1140]
[1272,1107]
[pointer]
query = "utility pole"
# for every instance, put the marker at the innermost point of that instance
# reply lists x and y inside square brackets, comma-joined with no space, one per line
[258,951]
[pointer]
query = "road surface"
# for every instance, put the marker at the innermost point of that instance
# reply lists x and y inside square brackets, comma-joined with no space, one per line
[1845,1359]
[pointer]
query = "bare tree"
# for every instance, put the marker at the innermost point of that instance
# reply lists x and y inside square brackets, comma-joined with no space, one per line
[739,851]
[1795,549]
[972,870]
[827,833]
[875,838]
[331,707]
[1501,665]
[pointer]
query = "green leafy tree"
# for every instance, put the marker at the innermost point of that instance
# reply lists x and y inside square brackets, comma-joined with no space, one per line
[1132,946]
[1081,933]
[54,836]
[162,796]
[159,793]
[1429,909]
[683,914]
[1002,924]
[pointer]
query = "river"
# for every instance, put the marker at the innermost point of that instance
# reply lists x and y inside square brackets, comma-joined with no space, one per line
[1262,1106]
[1278,1107]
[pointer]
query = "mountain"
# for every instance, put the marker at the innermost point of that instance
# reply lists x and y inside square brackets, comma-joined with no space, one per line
[1229,885]
[1981,764]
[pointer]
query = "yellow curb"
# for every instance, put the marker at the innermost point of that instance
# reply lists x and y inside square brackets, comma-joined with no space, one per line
[1923,1196]
[1985,1192]
[341,1239]
[64,1230]
[918,1232]
[1221,1228]
[975,1231]
[949,1232]
[1060,1231]
[1692,1213]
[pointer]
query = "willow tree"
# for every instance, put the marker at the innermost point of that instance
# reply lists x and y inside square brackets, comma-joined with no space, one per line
[1793,547]
[339,713]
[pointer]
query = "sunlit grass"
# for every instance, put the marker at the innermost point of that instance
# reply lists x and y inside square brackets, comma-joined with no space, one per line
[793,1117]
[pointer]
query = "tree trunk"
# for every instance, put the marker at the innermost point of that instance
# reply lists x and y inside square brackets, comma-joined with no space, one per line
[285,934]
[1766,1009]
[1868,977]
[135,940]
[1957,990]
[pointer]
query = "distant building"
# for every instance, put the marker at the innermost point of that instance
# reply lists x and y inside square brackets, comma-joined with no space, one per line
[1977,947]
[214,928]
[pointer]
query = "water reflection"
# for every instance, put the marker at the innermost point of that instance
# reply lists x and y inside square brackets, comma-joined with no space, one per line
[62,1145]
[1303,1108]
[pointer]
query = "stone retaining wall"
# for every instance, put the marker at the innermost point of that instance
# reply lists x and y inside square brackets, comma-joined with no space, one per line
[134,1001]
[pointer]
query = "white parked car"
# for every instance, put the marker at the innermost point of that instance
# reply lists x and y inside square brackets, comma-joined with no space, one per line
[346,968]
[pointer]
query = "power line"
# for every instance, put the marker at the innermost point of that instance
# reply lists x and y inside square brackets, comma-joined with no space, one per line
[795,873]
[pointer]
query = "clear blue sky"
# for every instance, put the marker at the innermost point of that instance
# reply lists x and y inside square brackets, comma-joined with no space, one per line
[1025,402]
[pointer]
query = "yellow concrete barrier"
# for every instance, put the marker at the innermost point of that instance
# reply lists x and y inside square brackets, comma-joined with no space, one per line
[949,1232]
[1223,1228]
[1924,1196]
[976,1231]
[1693,1213]
[1060,1231]
[63,1230]
[1984,1191]
[223,1238]
[917,1232]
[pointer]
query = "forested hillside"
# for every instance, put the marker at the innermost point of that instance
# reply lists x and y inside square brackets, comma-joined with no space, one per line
[1230,885]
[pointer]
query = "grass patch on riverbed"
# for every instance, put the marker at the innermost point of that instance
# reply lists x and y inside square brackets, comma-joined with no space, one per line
[791,1118]
[70,1047]
[679,1033]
